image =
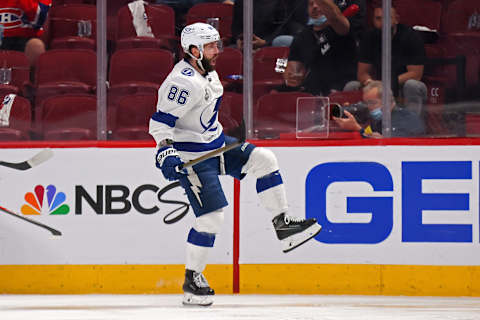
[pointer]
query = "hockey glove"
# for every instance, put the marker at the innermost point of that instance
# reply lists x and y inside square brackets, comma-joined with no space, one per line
[167,160]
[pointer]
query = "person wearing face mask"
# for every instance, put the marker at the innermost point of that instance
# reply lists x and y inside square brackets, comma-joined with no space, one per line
[408,58]
[327,47]
[405,123]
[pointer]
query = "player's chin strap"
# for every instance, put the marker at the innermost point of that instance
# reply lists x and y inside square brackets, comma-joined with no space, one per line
[199,60]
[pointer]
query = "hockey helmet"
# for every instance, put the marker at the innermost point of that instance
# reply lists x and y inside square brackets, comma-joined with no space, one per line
[198,34]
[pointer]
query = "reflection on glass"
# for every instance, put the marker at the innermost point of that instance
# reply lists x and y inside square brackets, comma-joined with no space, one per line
[436,69]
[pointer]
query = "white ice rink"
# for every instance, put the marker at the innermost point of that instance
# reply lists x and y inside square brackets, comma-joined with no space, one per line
[265,307]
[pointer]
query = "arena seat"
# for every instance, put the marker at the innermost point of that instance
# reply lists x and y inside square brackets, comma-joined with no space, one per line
[20,121]
[135,71]
[427,13]
[161,19]
[230,114]
[61,2]
[132,116]
[200,12]
[275,113]
[461,16]
[472,124]
[230,62]
[113,6]
[16,64]
[64,71]
[72,26]
[69,117]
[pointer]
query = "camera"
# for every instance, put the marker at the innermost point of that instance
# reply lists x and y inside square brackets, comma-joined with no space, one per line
[359,110]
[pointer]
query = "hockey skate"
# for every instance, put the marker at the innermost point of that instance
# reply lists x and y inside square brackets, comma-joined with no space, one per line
[293,232]
[196,291]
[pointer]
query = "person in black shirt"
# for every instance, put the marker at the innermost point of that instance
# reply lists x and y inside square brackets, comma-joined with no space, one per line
[408,58]
[405,123]
[327,48]
[271,20]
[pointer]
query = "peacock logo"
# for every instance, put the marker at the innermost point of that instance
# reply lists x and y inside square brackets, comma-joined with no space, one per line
[49,202]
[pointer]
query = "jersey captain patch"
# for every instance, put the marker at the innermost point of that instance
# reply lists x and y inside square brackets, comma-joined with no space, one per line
[187,72]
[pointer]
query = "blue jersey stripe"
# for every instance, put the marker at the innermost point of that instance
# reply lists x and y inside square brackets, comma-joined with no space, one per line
[199,147]
[165,118]
[202,239]
[269,181]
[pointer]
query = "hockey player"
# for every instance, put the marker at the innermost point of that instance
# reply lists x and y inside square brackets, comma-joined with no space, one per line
[185,127]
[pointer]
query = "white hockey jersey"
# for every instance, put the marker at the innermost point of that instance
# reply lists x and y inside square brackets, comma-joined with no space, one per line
[187,111]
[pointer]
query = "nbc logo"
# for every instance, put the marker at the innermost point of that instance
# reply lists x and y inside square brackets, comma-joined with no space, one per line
[45,200]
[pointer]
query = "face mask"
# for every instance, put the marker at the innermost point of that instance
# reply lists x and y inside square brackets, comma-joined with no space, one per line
[317,21]
[376,114]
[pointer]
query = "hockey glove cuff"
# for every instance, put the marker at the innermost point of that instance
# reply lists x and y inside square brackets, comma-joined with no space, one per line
[167,160]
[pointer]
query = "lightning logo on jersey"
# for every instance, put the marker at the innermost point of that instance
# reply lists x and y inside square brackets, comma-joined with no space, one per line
[213,118]
[195,185]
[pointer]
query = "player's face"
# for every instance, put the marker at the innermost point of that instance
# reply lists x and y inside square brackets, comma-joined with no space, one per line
[211,51]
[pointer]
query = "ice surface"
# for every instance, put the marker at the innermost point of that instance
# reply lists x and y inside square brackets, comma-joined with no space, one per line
[265,307]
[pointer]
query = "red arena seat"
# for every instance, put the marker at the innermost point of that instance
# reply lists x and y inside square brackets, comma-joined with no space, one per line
[69,117]
[72,26]
[200,12]
[132,117]
[134,71]
[160,18]
[14,72]
[19,119]
[64,71]
[276,113]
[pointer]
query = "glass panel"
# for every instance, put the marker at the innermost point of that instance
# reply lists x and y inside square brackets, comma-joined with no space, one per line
[299,52]
[143,47]
[48,73]
[452,71]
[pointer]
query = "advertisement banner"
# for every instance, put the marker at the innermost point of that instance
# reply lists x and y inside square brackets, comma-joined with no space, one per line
[402,205]
[112,205]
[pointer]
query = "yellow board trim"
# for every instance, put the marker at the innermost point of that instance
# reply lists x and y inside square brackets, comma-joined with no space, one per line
[103,279]
[361,279]
[254,279]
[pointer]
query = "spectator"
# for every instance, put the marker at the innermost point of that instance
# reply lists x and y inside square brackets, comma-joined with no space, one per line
[405,123]
[327,48]
[408,58]
[275,22]
[22,25]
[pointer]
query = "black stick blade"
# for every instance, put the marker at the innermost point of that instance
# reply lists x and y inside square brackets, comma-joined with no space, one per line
[18,166]
[41,225]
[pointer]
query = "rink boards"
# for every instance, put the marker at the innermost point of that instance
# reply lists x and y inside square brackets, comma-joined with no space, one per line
[397,220]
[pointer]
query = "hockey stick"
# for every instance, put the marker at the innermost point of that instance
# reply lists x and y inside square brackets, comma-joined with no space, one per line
[241,139]
[34,161]
[53,231]
[210,155]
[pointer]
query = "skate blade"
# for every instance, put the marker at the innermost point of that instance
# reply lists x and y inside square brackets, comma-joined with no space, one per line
[296,240]
[192,300]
